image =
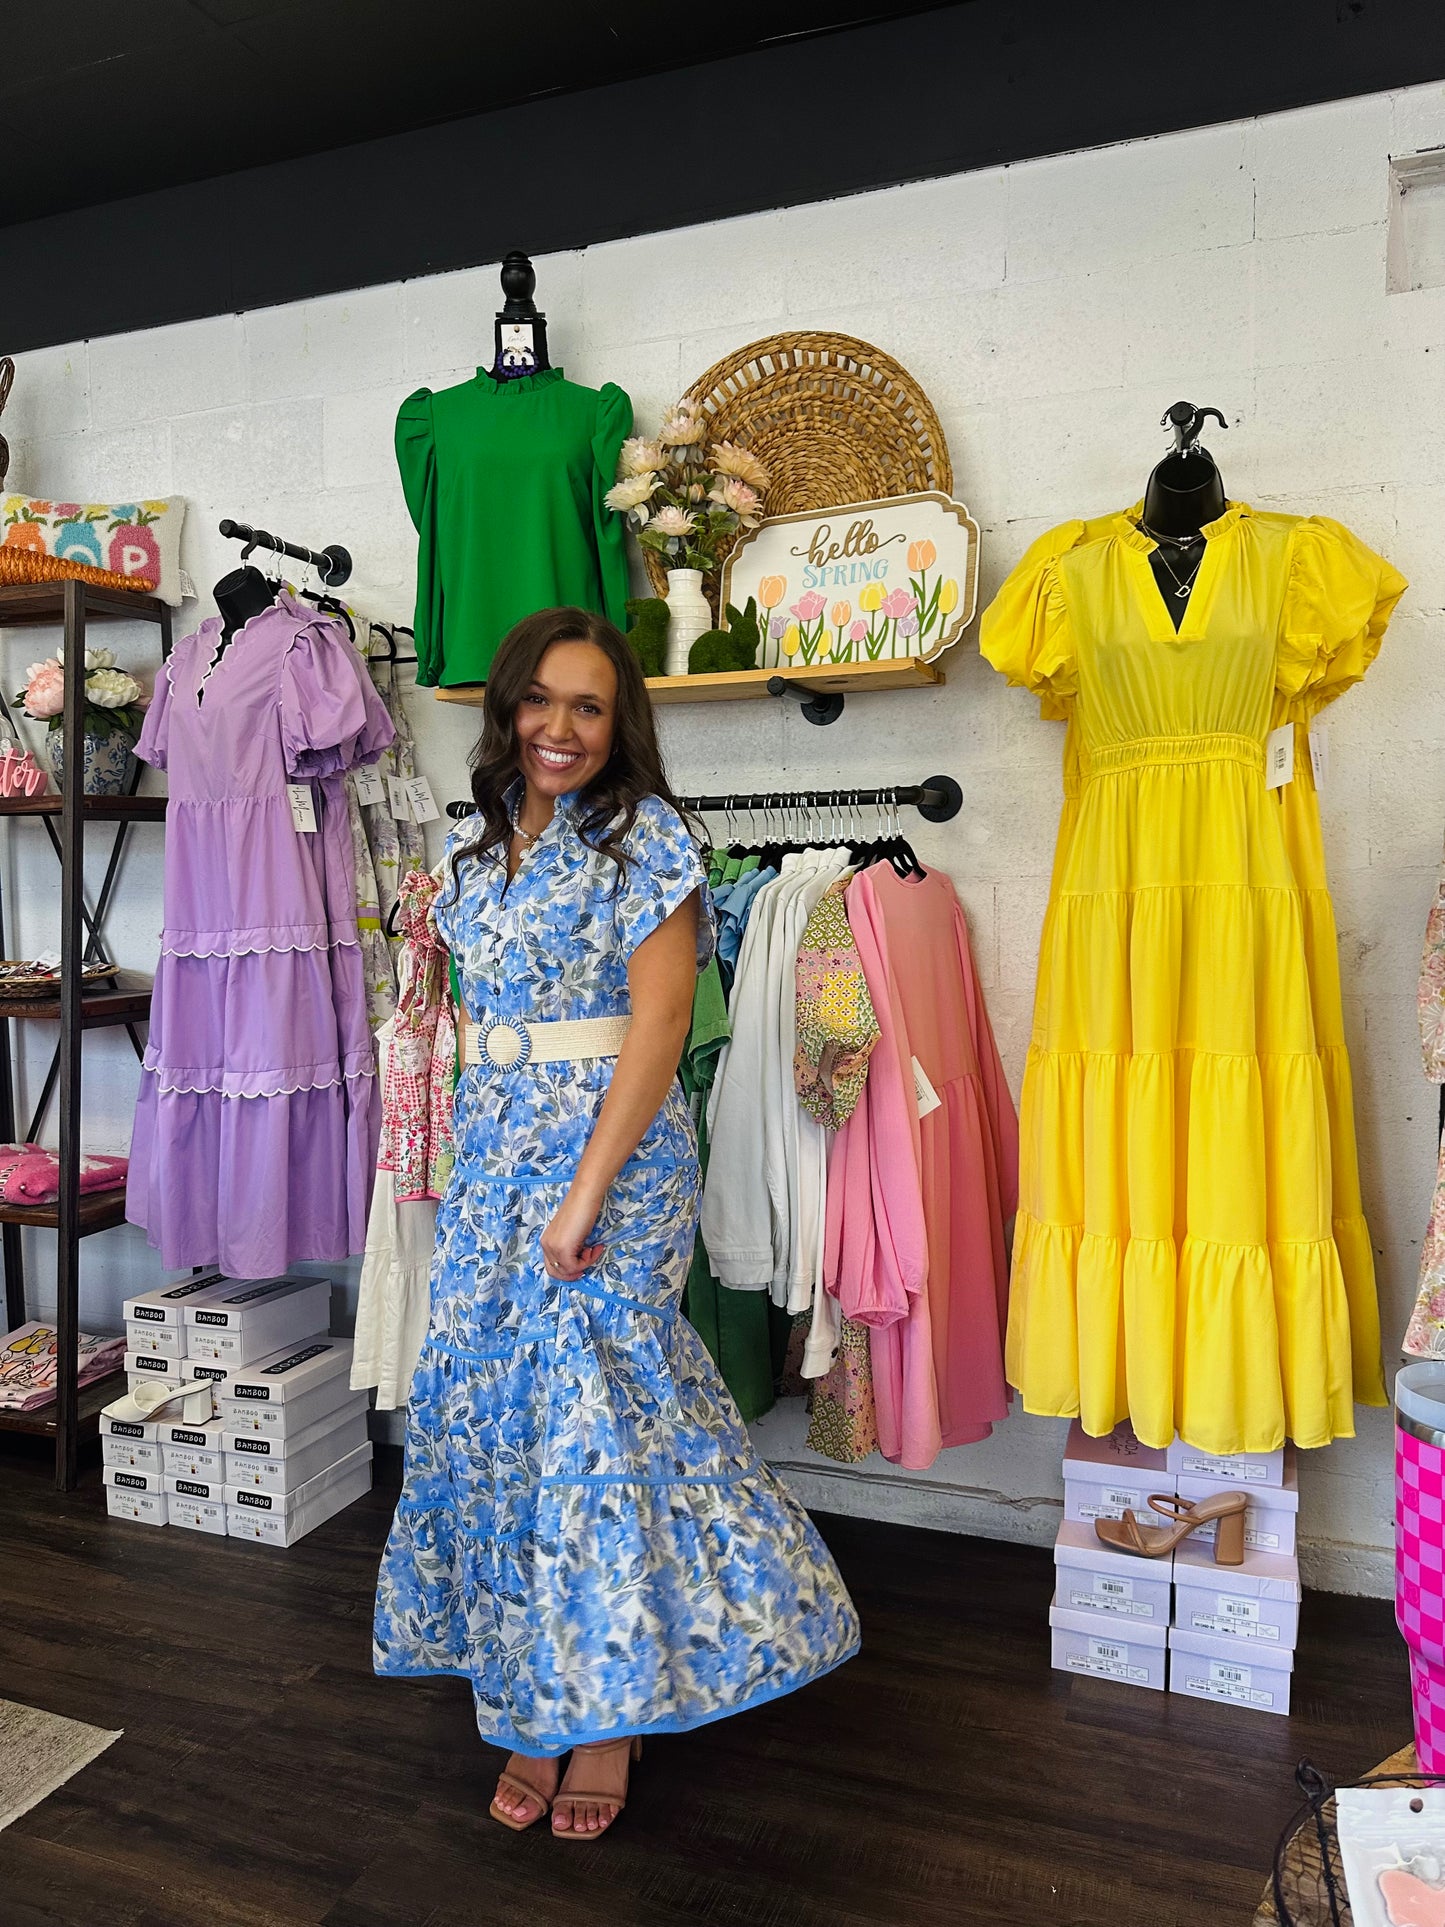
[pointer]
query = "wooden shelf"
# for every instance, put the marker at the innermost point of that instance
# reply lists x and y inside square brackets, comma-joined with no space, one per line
[91,1400]
[33,605]
[120,1004]
[97,809]
[99,1211]
[745,685]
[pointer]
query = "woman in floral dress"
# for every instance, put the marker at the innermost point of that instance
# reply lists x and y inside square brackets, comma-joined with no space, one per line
[585,1532]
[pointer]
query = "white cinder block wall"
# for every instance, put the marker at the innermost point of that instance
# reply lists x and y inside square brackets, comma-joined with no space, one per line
[1051,310]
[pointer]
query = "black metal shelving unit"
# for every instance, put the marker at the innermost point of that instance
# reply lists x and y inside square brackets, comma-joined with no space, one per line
[65,818]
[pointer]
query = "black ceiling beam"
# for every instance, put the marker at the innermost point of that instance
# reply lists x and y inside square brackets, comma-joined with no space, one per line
[930,94]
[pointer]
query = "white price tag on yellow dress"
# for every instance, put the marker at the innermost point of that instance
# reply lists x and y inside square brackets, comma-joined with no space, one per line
[1319,754]
[1279,757]
[303,807]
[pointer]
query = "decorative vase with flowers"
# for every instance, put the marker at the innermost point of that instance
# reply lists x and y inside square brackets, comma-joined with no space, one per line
[686,504]
[113,708]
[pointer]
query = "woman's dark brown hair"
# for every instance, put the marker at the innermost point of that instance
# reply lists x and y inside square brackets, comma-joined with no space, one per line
[607,806]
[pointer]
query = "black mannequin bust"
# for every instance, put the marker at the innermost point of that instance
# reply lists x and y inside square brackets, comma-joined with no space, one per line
[244,593]
[520,329]
[1182,496]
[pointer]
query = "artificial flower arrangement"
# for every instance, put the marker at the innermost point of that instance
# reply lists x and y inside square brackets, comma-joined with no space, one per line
[113,701]
[682,502]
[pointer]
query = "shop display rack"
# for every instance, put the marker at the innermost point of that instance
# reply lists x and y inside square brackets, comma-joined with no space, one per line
[72,605]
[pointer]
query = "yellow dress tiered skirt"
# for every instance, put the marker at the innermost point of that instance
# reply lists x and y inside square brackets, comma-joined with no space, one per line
[1190,1250]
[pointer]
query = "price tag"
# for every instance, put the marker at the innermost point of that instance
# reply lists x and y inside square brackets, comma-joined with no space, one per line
[369,786]
[1279,757]
[928,1098]
[303,808]
[1320,754]
[48,960]
[400,807]
[423,804]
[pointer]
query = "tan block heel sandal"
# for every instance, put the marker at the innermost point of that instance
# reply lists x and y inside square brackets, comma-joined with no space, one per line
[576,1797]
[1226,1509]
[527,1792]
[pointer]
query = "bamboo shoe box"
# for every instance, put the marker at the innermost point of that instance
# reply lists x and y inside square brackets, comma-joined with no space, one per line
[197,1503]
[281,1518]
[160,1341]
[1105,1477]
[133,1444]
[1206,1666]
[1131,1652]
[135,1495]
[193,1451]
[264,1464]
[1095,1580]
[250,1319]
[165,1307]
[286,1394]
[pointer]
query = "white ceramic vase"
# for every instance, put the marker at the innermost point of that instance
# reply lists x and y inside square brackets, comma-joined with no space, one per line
[688,617]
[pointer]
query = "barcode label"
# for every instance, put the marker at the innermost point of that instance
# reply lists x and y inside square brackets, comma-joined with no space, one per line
[1247,1469]
[1113,1588]
[1233,1628]
[1110,1603]
[1108,1668]
[1233,1608]
[1226,1690]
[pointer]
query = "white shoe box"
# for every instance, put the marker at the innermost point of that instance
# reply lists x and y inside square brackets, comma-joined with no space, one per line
[197,1515]
[1271,1520]
[127,1478]
[1134,1654]
[160,1341]
[1204,1666]
[166,1304]
[296,1388]
[1256,1603]
[134,1455]
[1105,1477]
[194,1451]
[149,1508]
[1240,1468]
[147,1429]
[281,1519]
[253,1461]
[198,1491]
[1093,1578]
[252,1320]
[144,1368]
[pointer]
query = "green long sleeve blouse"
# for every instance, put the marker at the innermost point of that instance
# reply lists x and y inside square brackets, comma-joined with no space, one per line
[504,481]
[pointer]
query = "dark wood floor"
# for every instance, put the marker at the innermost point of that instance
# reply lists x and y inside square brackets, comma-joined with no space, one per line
[944,1778]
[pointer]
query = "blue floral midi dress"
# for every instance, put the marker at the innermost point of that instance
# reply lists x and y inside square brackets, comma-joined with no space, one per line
[585,1532]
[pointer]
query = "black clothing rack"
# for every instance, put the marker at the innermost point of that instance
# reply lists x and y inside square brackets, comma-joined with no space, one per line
[333,563]
[937,798]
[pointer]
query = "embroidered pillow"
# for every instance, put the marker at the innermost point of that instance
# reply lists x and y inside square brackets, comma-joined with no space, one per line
[132,545]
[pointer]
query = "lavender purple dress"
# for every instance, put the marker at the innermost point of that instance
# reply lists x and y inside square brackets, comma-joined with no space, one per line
[255,1132]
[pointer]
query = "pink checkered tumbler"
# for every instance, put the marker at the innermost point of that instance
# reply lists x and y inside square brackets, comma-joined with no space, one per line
[1420,1548]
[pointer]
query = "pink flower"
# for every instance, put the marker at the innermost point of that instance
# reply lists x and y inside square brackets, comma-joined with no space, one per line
[45,692]
[808,607]
[67,511]
[859,632]
[899,604]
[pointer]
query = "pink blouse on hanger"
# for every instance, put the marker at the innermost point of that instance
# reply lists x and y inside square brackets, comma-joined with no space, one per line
[917,1206]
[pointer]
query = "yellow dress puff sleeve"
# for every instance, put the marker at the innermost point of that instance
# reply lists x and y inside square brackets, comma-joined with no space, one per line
[1026,633]
[1338,600]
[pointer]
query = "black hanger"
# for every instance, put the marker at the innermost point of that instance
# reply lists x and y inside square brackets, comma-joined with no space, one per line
[327,605]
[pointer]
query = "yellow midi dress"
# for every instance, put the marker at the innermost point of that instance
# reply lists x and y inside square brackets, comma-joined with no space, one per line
[1190,1249]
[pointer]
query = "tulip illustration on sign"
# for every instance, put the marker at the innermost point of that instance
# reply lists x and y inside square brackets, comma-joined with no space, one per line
[872,581]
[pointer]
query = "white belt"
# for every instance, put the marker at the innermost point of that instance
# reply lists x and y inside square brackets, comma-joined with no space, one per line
[507,1046]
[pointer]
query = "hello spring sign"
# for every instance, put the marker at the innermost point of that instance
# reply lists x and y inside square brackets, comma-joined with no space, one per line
[867,582]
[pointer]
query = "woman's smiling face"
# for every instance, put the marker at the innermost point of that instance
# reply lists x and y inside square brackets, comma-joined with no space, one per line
[564,723]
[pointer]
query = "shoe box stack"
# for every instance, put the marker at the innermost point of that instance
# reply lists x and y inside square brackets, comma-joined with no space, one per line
[286,1445]
[1210,1632]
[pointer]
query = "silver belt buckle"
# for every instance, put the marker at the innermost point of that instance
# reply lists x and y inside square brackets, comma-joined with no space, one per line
[506,1046]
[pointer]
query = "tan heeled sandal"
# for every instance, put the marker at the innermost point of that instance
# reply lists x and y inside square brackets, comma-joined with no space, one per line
[505,1779]
[1226,1509]
[576,1797]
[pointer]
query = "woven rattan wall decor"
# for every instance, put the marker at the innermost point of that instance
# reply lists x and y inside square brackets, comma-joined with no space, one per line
[834,419]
